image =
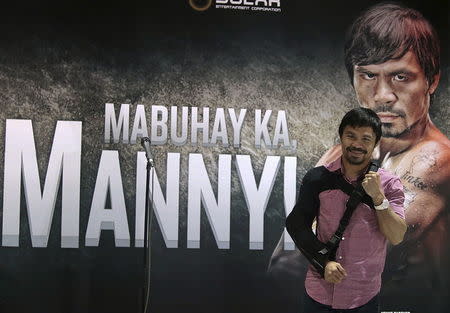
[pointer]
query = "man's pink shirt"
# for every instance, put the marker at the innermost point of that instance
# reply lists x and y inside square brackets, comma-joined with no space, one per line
[362,251]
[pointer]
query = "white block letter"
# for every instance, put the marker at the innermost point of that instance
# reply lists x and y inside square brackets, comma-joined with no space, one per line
[203,126]
[166,211]
[237,125]
[121,125]
[139,125]
[289,193]
[200,190]
[178,141]
[159,124]
[219,128]
[115,218]
[20,158]
[257,197]
[281,131]
[261,129]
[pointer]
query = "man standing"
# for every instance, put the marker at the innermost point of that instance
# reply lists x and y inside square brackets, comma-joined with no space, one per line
[352,279]
[392,56]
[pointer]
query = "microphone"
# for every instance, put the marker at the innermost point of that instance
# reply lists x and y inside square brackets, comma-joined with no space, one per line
[145,142]
[373,167]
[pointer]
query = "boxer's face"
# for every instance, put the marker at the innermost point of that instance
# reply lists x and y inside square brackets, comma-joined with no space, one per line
[397,90]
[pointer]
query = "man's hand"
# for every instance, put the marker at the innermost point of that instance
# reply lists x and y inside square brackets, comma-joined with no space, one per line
[334,272]
[372,185]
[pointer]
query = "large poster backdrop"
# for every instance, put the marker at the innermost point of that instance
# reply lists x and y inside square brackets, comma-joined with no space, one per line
[239,98]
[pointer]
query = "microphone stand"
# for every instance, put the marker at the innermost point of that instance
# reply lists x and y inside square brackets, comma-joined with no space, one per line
[147,235]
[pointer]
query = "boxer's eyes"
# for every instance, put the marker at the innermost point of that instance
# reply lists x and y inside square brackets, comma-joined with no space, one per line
[400,77]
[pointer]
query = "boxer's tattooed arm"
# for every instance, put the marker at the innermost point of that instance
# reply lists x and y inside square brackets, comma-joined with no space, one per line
[424,162]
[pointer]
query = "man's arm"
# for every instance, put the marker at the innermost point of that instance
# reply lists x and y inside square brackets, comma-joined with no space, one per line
[392,226]
[291,263]
[299,221]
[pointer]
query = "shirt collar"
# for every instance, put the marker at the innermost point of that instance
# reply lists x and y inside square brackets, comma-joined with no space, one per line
[336,166]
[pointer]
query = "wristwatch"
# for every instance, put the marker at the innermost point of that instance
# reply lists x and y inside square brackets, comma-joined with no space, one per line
[383,206]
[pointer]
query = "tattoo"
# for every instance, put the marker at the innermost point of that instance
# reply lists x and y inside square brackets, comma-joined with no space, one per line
[424,159]
[414,180]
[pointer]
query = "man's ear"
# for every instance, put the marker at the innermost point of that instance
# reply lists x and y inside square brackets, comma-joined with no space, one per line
[435,83]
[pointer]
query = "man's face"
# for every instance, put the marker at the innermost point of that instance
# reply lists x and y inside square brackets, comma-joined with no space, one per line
[357,144]
[396,90]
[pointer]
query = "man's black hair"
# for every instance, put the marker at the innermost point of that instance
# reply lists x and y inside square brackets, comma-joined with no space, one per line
[361,117]
[387,31]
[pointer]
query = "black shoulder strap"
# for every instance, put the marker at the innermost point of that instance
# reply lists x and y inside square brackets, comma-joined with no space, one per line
[299,221]
[356,197]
